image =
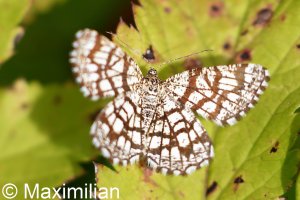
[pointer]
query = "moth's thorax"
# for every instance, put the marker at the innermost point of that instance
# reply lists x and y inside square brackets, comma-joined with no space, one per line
[151,83]
[151,88]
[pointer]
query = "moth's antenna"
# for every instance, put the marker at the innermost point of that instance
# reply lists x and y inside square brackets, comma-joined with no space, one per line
[186,56]
[136,52]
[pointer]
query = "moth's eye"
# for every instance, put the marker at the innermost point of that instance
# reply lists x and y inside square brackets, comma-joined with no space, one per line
[153,72]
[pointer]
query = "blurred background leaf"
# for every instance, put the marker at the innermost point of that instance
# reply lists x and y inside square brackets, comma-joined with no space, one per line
[43,136]
[12,12]
[44,126]
[42,54]
[298,189]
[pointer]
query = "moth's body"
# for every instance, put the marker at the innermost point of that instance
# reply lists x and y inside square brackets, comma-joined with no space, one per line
[151,92]
[152,121]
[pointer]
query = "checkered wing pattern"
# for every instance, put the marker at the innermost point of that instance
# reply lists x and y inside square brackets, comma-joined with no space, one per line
[176,141]
[100,67]
[117,131]
[223,93]
[152,121]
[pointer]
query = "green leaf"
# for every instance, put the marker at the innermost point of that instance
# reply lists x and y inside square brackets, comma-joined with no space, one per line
[44,128]
[146,184]
[298,188]
[43,53]
[254,158]
[41,6]
[43,134]
[11,14]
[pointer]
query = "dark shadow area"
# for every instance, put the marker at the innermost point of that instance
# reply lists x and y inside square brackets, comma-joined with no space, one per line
[42,54]
[294,147]
[88,178]
[66,117]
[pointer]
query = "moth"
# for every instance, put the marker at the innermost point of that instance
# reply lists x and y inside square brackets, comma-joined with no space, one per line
[153,121]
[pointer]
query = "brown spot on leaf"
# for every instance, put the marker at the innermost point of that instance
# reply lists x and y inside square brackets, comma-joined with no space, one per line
[227,46]
[244,56]
[263,17]
[244,32]
[237,181]
[24,105]
[181,194]
[211,188]
[191,63]
[167,10]
[298,46]
[282,17]
[149,54]
[275,147]
[216,9]
[147,177]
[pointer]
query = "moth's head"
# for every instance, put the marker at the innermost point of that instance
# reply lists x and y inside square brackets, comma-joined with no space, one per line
[152,72]
[152,77]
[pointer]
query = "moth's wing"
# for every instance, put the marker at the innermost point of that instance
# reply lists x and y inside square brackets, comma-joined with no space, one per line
[100,67]
[223,94]
[117,131]
[176,141]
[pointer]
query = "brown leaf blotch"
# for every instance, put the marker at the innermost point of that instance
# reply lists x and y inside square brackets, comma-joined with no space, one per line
[227,46]
[216,9]
[191,63]
[263,17]
[211,188]
[24,105]
[181,194]
[244,56]
[274,147]
[244,32]
[239,180]
[167,10]
[147,177]
[283,17]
